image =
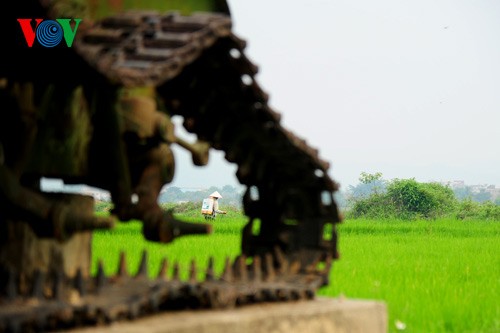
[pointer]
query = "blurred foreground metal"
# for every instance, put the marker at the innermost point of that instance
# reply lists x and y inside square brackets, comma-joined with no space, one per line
[107,125]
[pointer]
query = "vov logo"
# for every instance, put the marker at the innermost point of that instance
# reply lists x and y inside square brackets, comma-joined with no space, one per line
[49,33]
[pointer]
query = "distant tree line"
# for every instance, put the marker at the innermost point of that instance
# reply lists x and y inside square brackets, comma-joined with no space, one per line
[374,197]
[408,199]
[183,201]
[231,196]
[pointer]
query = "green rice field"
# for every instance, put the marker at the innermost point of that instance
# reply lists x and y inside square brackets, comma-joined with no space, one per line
[434,276]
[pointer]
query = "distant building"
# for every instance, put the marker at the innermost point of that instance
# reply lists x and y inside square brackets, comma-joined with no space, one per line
[494,192]
[454,184]
[475,189]
[480,188]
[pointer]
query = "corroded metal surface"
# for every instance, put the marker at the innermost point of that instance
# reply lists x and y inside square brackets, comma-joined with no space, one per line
[146,48]
[200,72]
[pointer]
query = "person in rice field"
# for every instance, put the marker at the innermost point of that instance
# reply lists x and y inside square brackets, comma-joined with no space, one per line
[215,197]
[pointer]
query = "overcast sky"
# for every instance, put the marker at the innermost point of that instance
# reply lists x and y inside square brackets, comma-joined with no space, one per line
[407,88]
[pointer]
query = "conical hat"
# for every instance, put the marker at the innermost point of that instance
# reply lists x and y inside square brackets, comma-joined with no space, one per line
[215,195]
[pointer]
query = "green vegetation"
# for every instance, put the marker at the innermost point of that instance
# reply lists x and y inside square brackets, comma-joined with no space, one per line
[468,209]
[193,209]
[407,199]
[127,237]
[434,275]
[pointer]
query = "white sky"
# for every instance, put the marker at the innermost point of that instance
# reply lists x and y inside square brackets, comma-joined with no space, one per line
[404,87]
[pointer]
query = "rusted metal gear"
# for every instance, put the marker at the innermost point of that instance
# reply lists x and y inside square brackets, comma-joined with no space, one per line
[202,74]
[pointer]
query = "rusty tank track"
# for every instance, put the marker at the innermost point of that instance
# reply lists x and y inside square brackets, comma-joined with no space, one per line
[78,302]
[203,75]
